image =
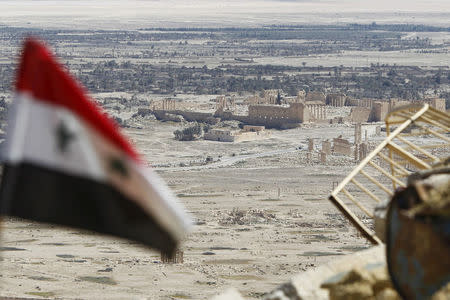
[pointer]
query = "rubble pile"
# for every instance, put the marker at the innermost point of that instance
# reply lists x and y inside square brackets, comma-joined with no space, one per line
[361,283]
[246,217]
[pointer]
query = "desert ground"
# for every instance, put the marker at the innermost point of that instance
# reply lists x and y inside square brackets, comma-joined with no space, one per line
[260,208]
[261,215]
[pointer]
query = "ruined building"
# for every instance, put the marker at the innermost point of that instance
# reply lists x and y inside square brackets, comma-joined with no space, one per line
[248,133]
[342,146]
[336,99]
[301,96]
[317,111]
[316,97]
[277,115]
[225,103]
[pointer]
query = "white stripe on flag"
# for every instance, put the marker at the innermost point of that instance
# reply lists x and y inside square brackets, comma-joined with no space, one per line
[35,137]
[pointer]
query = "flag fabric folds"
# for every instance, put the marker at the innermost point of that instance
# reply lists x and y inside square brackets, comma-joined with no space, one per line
[65,162]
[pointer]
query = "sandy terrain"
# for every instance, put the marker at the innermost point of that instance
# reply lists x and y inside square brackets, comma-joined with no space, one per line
[246,236]
[138,14]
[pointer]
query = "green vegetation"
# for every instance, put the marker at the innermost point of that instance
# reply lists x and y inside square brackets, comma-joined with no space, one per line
[190,133]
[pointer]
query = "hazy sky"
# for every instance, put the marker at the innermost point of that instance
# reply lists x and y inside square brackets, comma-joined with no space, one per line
[308,5]
[238,12]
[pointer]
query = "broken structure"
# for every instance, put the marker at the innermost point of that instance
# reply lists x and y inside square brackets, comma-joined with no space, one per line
[248,133]
[392,161]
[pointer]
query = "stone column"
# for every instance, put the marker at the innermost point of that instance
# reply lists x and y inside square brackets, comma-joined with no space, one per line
[310,145]
[358,133]
[308,156]
[323,157]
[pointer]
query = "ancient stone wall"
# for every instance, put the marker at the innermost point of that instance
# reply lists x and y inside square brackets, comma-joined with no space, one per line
[437,103]
[316,111]
[190,116]
[342,146]
[360,114]
[225,103]
[326,147]
[359,102]
[168,104]
[252,100]
[315,96]
[270,96]
[379,111]
[253,128]
[395,103]
[276,115]
[301,96]
[336,99]
[222,135]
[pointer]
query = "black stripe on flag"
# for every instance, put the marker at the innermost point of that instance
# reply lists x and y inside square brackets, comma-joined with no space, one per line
[32,192]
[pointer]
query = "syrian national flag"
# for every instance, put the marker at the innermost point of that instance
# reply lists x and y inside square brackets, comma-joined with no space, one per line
[66,163]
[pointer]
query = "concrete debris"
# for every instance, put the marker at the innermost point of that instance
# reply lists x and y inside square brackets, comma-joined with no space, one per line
[434,192]
[307,285]
[387,294]
[361,283]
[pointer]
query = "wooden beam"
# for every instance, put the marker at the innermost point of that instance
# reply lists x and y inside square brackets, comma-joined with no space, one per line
[394,163]
[386,173]
[365,190]
[380,147]
[379,184]
[415,147]
[357,203]
[355,220]
[408,156]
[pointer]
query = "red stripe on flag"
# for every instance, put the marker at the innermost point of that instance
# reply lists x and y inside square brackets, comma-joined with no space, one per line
[46,80]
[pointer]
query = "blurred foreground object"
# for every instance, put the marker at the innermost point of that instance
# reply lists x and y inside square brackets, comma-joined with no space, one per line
[418,235]
[66,163]
[417,137]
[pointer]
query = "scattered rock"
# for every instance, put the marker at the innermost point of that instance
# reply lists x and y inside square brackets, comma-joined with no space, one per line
[351,291]
[106,270]
[11,249]
[387,294]
[65,256]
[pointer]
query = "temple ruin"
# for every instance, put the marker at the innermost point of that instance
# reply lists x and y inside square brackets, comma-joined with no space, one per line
[248,133]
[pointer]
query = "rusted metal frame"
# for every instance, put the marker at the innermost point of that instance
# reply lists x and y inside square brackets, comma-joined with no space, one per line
[443,145]
[365,190]
[386,173]
[357,203]
[395,122]
[433,132]
[404,115]
[400,168]
[401,114]
[383,144]
[427,160]
[415,147]
[444,117]
[366,232]
[391,159]
[377,183]
[401,175]
[422,132]
[433,122]
[408,156]
[341,205]
[413,109]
